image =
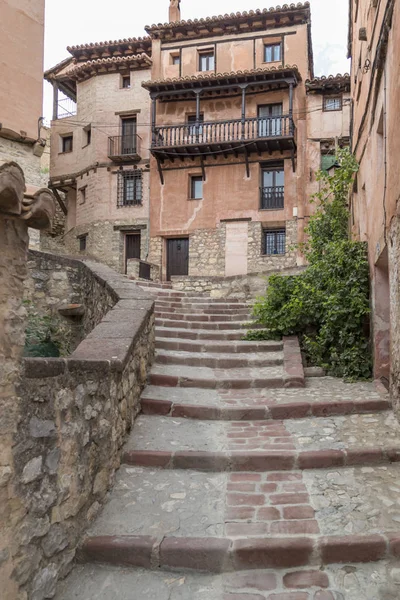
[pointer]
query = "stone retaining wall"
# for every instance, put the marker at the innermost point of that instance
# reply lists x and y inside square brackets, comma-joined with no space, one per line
[74,414]
[238,286]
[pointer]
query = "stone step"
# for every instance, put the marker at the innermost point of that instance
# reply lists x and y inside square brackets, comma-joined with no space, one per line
[237,405]
[199,334]
[339,441]
[219,360]
[217,522]
[201,317]
[156,284]
[195,300]
[216,310]
[233,347]
[204,377]
[351,581]
[215,325]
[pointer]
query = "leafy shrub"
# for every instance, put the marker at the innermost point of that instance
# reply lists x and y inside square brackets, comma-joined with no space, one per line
[328,304]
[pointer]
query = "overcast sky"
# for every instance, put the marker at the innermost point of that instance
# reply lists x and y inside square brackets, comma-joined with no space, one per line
[82,21]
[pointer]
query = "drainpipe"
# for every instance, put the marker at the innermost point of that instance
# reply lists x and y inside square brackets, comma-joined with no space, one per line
[385,148]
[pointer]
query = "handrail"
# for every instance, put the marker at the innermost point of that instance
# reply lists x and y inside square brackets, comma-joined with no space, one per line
[122,145]
[272,198]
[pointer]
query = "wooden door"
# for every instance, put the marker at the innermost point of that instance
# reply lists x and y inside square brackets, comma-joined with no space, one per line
[129,136]
[177,257]
[132,247]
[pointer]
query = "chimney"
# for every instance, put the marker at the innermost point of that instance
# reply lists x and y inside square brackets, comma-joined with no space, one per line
[174,11]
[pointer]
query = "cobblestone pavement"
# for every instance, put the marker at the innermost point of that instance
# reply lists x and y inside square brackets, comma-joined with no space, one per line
[234,487]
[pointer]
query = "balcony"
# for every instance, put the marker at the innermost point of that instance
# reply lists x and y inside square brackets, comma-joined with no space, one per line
[257,134]
[272,198]
[124,148]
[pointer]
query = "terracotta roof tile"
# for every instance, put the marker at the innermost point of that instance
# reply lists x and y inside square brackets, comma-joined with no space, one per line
[88,67]
[221,18]
[319,83]
[218,76]
[99,45]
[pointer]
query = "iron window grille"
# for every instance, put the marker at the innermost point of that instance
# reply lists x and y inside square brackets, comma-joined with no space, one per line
[130,188]
[272,52]
[272,187]
[332,103]
[274,241]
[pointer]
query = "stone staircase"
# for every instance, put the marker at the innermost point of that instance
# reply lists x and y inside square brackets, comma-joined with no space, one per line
[239,483]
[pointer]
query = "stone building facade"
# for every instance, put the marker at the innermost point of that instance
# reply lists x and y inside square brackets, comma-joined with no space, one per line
[232,124]
[374,45]
[100,157]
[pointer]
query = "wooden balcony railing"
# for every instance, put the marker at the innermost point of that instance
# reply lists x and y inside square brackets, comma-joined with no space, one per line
[220,132]
[124,147]
[272,198]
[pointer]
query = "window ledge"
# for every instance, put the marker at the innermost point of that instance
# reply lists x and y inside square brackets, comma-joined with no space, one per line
[271,209]
[191,199]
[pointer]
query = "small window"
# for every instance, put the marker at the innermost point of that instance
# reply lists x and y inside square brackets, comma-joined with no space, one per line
[129,188]
[331,103]
[274,241]
[88,135]
[82,242]
[207,61]
[272,52]
[82,195]
[196,187]
[67,143]
[126,82]
[175,59]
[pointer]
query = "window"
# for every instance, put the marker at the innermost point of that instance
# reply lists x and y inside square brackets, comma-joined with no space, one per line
[272,187]
[196,187]
[126,82]
[175,59]
[128,140]
[191,121]
[67,143]
[207,61]
[272,52]
[82,242]
[274,241]
[82,195]
[129,188]
[331,103]
[270,120]
[87,135]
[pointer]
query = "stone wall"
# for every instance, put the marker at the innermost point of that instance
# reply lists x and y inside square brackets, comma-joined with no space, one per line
[238,286]
[394,278]
[207,252]
[133,269]
[259,262]
[73,416]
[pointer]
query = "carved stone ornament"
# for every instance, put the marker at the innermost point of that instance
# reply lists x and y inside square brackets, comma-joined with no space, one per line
[36,207]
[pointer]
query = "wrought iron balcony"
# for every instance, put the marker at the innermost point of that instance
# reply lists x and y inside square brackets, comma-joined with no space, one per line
[255,134]
[124,148]
[272,198]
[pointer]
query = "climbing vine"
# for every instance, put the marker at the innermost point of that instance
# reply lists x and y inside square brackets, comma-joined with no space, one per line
[328,304]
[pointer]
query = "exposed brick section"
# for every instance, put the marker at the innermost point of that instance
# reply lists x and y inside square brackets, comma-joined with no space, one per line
[202,554]
[119,550]
[290,596]
[352,549]
[305,579]
[273,552]
[256,581]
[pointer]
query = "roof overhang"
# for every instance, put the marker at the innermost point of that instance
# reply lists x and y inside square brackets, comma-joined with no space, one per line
[83,71]
[223,82]
[124,47]
[332,84]
[253,20]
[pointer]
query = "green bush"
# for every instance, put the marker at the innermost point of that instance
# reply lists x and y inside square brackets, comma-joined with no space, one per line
[45,335]
[328,304]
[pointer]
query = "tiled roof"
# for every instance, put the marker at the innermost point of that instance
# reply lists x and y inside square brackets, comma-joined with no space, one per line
[107,44]
[331,81]
[228,17]
[50,73]
[217,76]
[86,69]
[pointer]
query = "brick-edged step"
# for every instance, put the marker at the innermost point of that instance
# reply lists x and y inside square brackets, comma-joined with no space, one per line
[215,325]
[232,347]
[155,284]
[201,317]
[211,405]
[218,555]
[219,360]
[180,443]
[199,334]
[204,377]
[202,301]
[199,309]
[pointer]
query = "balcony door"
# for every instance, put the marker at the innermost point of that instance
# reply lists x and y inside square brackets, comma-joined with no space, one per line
[273,188]
[128,131]
[270,121]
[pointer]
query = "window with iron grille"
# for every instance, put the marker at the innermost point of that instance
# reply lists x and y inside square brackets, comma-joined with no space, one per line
[274,241]
[332,103]
[129,188]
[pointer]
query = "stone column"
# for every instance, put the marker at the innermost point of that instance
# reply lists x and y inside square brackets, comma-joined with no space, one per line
[18,211]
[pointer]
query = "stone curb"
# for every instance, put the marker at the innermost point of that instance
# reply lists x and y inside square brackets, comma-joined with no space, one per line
[206,325]
[292,363]
[233,347]
[259,461]
[294,410]
[202,359]
[219,555]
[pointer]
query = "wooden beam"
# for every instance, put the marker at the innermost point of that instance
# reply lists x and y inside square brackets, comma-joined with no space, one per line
[60,201]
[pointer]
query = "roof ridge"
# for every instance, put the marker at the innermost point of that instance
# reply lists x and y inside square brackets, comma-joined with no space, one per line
[104,44]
